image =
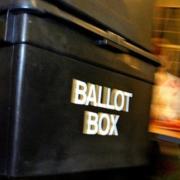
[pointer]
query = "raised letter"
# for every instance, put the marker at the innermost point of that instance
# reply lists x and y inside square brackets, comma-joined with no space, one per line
[128,96]
[104,124]
[118,99]
[91,95]
[114,120]
[79,89]
[107,98]
[90,123]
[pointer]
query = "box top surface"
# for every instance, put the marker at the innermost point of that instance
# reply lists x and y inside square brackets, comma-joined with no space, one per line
[131,19]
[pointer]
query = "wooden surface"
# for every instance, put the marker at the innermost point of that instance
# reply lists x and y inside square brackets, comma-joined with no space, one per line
[163,131]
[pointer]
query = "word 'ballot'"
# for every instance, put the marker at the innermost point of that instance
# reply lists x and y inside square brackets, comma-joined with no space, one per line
[89,94]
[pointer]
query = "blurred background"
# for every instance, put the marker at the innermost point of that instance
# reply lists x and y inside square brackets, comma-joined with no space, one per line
[165,108]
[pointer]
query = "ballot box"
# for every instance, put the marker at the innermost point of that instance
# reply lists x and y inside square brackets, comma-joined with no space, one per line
[74,95]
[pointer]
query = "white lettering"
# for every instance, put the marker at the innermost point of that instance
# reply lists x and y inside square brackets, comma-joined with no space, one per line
[118,99]
[79,89]
[128,96]
[100,123]
[114,120]
[91,95]
[90,123]
[104,124]
[98,96]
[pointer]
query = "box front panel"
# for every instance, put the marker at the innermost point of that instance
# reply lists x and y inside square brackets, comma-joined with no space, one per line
[74,116]
[5,105]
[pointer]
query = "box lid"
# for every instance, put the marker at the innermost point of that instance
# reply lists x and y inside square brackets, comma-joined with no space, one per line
[130,18]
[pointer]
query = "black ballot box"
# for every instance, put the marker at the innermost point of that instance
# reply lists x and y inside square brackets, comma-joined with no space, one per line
[74,95]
